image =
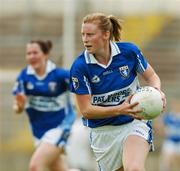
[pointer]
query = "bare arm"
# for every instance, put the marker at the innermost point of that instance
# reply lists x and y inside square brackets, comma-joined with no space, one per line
[90,111]
[19,103]
[152,79]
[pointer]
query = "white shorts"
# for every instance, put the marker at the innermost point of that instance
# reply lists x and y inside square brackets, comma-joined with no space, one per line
[107,142]
[171,147]
[55,136]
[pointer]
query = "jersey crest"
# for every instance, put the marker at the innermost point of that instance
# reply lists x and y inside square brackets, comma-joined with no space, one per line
[75,82]
[124,71]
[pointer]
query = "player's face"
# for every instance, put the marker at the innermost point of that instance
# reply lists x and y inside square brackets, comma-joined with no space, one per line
[93,38]
[35,57]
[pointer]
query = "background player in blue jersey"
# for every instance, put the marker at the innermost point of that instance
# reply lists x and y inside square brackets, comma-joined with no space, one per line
[104,77]
[42,90]
[168,126]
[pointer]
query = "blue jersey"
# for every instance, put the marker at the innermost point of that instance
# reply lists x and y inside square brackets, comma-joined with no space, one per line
[110,84]
[48,101]
[172,126]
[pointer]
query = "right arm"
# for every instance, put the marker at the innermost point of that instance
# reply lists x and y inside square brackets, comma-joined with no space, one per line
[19,103]
[19,94]
[90,111]
[80,85]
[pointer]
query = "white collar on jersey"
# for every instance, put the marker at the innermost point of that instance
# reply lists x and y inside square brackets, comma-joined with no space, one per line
[50,66]
[90,59]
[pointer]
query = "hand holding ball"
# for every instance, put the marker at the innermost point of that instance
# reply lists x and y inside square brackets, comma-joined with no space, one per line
[150,101]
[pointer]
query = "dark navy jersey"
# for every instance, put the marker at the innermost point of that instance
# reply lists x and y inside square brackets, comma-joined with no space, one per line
[110,84]
[48,98]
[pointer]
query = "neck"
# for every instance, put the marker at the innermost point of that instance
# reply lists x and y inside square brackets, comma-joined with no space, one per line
[104,56]
[41,71]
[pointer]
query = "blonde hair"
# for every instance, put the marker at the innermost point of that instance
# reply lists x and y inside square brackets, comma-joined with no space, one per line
[106,23]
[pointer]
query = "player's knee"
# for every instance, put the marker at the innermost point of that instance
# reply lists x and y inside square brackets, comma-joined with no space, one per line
[34,166]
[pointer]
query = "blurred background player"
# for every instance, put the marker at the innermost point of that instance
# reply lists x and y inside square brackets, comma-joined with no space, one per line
[169,128]
[79,153]
[103,77]
[42,89]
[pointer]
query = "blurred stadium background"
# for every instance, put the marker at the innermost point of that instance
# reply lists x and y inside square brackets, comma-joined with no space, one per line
[154,25]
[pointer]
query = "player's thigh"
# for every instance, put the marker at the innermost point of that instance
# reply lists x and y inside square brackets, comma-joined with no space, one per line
[135,151]
[46,154]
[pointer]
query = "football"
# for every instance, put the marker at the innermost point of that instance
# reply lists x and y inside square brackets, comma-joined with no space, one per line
[150,101]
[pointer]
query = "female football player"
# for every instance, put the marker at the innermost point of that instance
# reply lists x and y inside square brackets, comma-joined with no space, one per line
[103,79]
[42,89]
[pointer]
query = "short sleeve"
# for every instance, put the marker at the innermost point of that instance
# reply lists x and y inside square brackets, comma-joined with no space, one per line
[19,85]
[141,62]
[79,83]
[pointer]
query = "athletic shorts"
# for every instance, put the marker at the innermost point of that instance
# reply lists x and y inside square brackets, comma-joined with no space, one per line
[107,142]
[55,136]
